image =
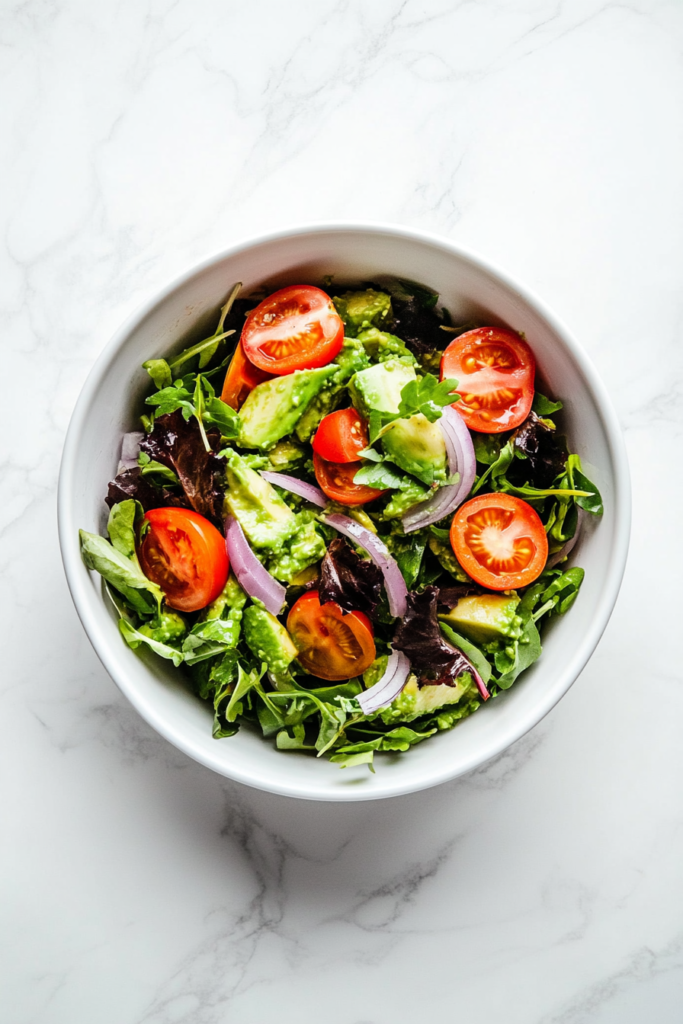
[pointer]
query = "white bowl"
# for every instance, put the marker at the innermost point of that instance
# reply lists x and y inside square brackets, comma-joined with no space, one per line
[470,288]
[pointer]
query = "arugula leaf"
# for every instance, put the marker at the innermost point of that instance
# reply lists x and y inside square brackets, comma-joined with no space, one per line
[149,467]
[245,682]
[592,501]
[121,572]
[350,760]
[134,638]
[382,475]
[401,738]
[518,655]
[169,399]
[543,406]
[293,738]
[561,593]
[427,395]
[121,527]
[487,448]
[207,639]
[160,372]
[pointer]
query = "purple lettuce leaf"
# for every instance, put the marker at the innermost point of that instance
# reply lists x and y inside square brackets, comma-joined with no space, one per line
[434,661]
[352,582]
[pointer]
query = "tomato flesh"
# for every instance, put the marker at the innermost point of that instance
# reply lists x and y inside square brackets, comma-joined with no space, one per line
[495,369]
[335,479]
[341,436]
[296,328]
[184,554]
[499,541]
[332,644]
[241,378]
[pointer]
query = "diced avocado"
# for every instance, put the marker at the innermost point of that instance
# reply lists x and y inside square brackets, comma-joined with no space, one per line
[303,548]
[166,628]
[485,617]
[378,389]
[231,598]
[274,408]
[414,700]
[380,346]
[359,310]
[268,639]
[417,446]
[351,358]
[285,455]
[265,518]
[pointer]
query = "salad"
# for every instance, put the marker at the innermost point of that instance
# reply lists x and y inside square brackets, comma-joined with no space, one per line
[345,519]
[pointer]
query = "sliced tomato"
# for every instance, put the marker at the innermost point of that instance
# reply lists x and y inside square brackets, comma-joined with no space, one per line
[495,370]
[296,328]
[499,541]
[336,481]
[332,644]
[341,436]
[241,378]
[185,555]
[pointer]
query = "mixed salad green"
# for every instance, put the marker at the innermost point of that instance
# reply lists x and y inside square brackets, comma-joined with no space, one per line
[344,520]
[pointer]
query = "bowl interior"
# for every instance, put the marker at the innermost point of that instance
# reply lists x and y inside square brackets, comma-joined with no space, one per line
[112,399]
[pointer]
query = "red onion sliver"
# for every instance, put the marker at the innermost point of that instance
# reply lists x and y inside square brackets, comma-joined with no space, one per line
[253,577]
[379,553]
[130,447]
[389,686]
[461,459]
[290,483]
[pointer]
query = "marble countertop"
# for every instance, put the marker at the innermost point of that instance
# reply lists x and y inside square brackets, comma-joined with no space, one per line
[138,887]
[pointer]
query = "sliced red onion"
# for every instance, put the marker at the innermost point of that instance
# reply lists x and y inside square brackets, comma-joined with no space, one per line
[290,483]
[253,577]
[130,448]
[568,545]
[389,686]
[379,553]
[461,460]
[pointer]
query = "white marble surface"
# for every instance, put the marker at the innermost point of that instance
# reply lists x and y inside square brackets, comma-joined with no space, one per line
[142,135]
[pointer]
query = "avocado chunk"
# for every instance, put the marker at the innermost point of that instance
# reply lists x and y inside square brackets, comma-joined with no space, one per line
[378,389]
[303,548]
[351,358]
[285,455]
[166,628]
[265,518]
[359,310]
[380,346]
[417,446]
[414,700]
[231,599]
[274,408]
[485,617]
[268,639]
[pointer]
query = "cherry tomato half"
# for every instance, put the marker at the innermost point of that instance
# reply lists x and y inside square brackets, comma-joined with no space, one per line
[185,555]
[296,328]
[341,436]
[336,481]
[241,378]
[499,541]
[332,644]
[495,370]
